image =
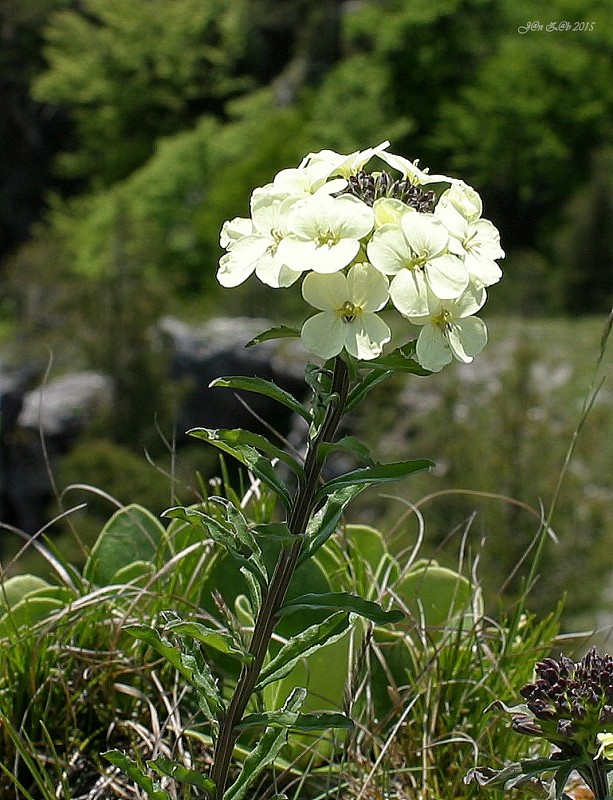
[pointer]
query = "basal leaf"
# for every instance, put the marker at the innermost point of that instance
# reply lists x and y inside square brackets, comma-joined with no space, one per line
[267,388]
[131,534]
[342,601]
[374,475]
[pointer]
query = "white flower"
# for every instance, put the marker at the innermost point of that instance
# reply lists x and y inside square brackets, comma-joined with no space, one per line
[415,251]
[464,199]
[389,210]
[234,229]
[324,233]
[307,180]
[257,251]
[410,170]
[449,330]
[338,164]
[477,242]
[347,319]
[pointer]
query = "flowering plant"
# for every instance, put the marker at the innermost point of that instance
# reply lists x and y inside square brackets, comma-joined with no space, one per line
[364,240]
[570,705]
[358,241]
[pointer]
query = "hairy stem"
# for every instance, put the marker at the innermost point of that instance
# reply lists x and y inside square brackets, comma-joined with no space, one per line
[302,508]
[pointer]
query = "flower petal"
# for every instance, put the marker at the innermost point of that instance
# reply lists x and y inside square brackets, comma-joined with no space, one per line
[325,292]
[409,293]
[432,349]
[467,338]
[368,288]
[239,262]
[365,336]
[388,249]
[324,334]
[447,276]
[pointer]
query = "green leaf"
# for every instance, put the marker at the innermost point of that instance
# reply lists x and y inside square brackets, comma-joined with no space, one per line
[302,645]
[376,474]
[236,437]
[265,752]
[218,640]
[172,769]
[135,773]
[365,385]
[318,721]
[348,444]
[342,601]
[267,388]
[247,455]
[323,524]
[198,676]
[399,360]
[233,534]
[131,534]
[15,588]
[280,332]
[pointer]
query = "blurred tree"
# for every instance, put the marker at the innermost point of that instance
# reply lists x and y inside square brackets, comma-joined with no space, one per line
[133,72]
[30,133]
[584,244]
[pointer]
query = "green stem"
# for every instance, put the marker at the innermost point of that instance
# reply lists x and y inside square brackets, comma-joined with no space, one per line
[266,620]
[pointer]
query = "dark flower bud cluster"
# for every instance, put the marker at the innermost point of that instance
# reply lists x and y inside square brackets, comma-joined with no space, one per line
[370,187]
[570,702]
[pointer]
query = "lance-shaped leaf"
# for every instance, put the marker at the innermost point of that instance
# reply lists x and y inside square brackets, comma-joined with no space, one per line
[399,360]
[342,601]
[233,439]
[233,533]
[254,590]
[218,640]
[166,767]
[372,476]
[265,752]
[315,721]
[248,456]
[348,444]
[136,774]
[301,645]
[279,332]
[198,676]
[323,524]
[267,388]
[366,385]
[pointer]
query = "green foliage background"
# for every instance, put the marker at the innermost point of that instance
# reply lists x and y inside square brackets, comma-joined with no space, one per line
[144,125]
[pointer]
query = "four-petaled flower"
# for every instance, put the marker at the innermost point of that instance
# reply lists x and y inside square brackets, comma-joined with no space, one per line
[325,233]
[449,330]
[347,319]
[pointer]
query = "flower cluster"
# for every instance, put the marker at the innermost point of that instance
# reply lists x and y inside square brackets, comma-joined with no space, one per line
[571,705]
[361,240]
